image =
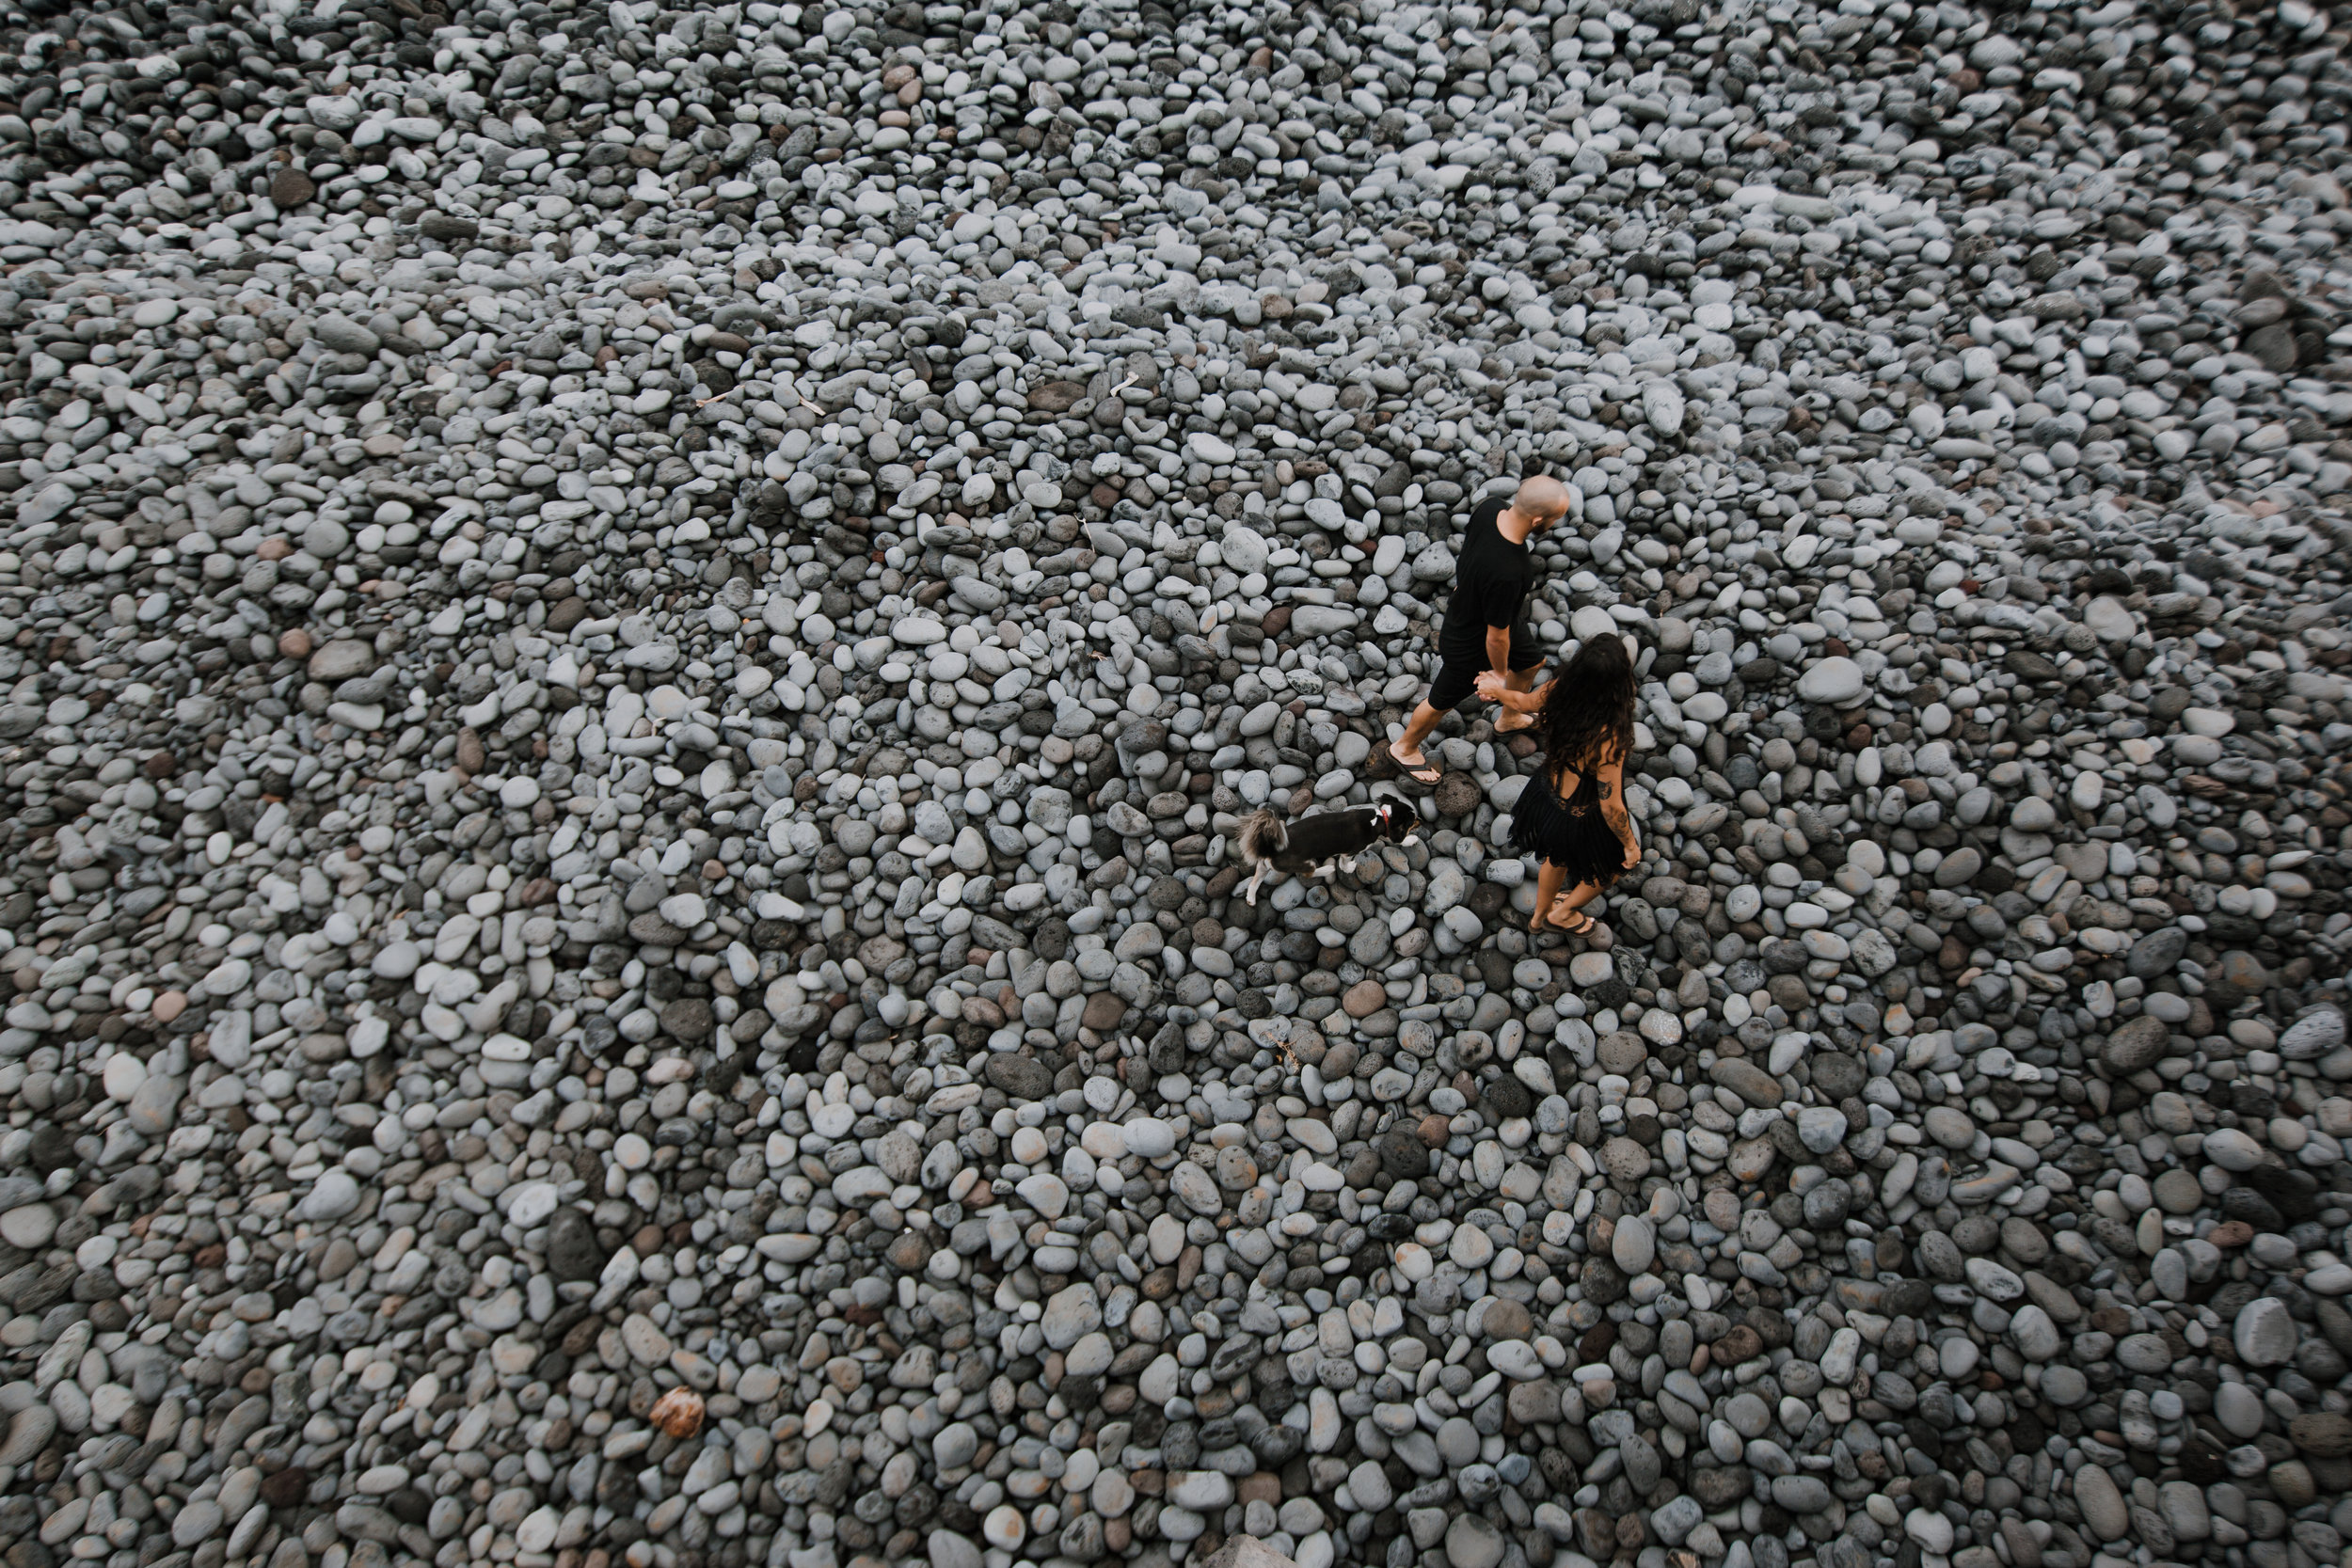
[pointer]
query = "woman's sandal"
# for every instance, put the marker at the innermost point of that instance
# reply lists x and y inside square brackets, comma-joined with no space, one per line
[1576,924]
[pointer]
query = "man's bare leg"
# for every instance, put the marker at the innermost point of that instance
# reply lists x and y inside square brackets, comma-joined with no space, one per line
[1517,680]
[1405,749]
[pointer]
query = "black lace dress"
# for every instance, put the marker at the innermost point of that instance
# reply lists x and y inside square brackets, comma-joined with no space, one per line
[1573,834]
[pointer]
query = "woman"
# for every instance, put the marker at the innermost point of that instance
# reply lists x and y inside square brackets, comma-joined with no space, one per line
[1571,815]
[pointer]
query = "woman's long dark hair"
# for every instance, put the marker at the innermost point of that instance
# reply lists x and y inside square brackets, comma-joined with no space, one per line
[1587,717]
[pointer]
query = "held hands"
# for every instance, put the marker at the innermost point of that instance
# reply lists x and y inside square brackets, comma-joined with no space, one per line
[1490,686]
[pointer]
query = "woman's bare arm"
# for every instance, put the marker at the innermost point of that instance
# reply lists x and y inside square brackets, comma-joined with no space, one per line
[1491,688]
[1612,777]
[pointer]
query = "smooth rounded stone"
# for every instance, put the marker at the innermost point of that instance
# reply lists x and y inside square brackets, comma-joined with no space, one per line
[2157,954]
[2064,1387]
[30,1428]
[1623,1052]
[2184,1510]
[1458,1441]
[335,1193]
[2144,1354]
[1005,1527]
[1821,1128]
[2136,1043]
[198,1521]
[2033,1331]
[952,1448]
[2322,1433]
[2104,1509]
[1149,1138]
[1949,1126]
[2264,1333]
[1634,1246]
[1752,1084]
[1930,1530]
[2232,1149]
[28,1226]
[1472,1542]
[572,1246]
[1835,682]
[1674,1521]
[2177,1192]
[1747,1415]
[1368,1487]
[1624,1159]
[2313,1036]
[1515,1359]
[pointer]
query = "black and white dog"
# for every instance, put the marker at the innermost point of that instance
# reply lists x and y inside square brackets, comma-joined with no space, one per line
[1313,845]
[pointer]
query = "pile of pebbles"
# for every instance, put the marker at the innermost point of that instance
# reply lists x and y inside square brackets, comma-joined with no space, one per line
[630,639]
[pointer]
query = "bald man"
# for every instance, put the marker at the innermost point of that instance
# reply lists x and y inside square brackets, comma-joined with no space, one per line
[1482,630]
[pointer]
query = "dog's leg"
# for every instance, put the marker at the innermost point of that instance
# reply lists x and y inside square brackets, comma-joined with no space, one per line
[1329,868]
[1254,882]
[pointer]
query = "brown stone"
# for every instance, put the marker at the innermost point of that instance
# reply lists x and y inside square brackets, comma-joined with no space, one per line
[295,644]
[1507,1319]
[2322,1433]
[2274,345]
[1533,1402]
[2135,1043]
[1457,795]
[1277,622]
[291,187]
[287,1487]
[1364,998]
[908,1252]
[1055,397]
[1435,1129]
[2239,974]
[1104,1011]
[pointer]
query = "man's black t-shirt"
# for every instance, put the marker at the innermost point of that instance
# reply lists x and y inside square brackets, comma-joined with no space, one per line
[1490,583]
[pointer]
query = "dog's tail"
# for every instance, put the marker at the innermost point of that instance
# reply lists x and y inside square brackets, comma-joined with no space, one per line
[1260,835]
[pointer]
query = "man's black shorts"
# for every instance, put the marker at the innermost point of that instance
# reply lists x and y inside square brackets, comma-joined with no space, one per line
[1457,677]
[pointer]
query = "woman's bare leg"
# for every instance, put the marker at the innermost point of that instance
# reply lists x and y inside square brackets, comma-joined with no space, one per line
[1569,903]
[1548,879]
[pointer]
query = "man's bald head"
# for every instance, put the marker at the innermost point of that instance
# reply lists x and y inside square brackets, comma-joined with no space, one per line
[1541,499]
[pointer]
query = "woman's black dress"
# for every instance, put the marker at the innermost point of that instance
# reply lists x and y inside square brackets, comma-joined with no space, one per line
[1573,834]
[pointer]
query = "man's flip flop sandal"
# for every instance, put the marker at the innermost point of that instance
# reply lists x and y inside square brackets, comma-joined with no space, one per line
[1425,773]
